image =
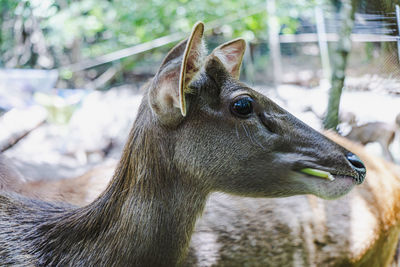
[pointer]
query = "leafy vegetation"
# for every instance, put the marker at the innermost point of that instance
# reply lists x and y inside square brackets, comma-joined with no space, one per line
[54,33]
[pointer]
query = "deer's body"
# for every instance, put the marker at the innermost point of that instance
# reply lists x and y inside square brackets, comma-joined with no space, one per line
[198,130]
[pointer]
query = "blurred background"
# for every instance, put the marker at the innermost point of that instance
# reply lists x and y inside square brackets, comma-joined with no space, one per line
[71,71]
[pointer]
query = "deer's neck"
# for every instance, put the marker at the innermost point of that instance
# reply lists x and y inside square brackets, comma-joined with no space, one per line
[153,228]
[144,218]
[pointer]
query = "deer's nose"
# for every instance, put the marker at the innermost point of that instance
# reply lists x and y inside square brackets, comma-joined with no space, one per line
[358,166]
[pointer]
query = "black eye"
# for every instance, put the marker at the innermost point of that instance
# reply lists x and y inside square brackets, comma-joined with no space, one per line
[242,107]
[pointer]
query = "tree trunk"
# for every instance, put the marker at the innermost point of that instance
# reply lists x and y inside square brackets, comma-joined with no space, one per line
[345,10]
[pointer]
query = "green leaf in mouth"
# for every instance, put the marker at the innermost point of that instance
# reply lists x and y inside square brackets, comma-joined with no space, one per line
[318,173]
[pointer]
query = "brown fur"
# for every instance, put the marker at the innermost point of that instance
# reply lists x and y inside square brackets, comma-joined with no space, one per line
[382,193]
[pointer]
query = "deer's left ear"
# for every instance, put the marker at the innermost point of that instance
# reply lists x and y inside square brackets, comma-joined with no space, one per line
[192,60]
[231,55]
[168,90]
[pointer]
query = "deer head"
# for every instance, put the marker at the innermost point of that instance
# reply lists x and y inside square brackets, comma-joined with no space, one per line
[228,137]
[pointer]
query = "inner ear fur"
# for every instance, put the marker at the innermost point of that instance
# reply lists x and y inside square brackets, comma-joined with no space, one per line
[170,85]
[230,54]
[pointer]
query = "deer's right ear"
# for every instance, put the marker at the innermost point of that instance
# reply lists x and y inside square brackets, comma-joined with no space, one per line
[170,85]
[231,55]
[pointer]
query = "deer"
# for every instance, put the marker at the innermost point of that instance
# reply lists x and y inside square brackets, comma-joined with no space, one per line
[380,132]
[359,229]
[198,130]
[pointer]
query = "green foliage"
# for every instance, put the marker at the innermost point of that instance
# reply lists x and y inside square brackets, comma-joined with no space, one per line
[6,8]
[71,30]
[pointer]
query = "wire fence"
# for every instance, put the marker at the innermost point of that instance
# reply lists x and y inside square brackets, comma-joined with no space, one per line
[300,55]
[374,52]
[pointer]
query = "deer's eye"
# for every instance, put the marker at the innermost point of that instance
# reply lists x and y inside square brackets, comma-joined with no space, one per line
[242,107]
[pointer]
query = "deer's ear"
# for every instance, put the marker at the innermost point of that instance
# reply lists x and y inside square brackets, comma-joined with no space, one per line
[170,85]
[231,55]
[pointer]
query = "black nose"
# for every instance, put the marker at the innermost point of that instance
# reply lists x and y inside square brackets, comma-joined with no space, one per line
[358,166]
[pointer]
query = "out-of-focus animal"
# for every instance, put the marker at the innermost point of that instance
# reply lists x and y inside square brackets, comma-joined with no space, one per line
[380,132]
